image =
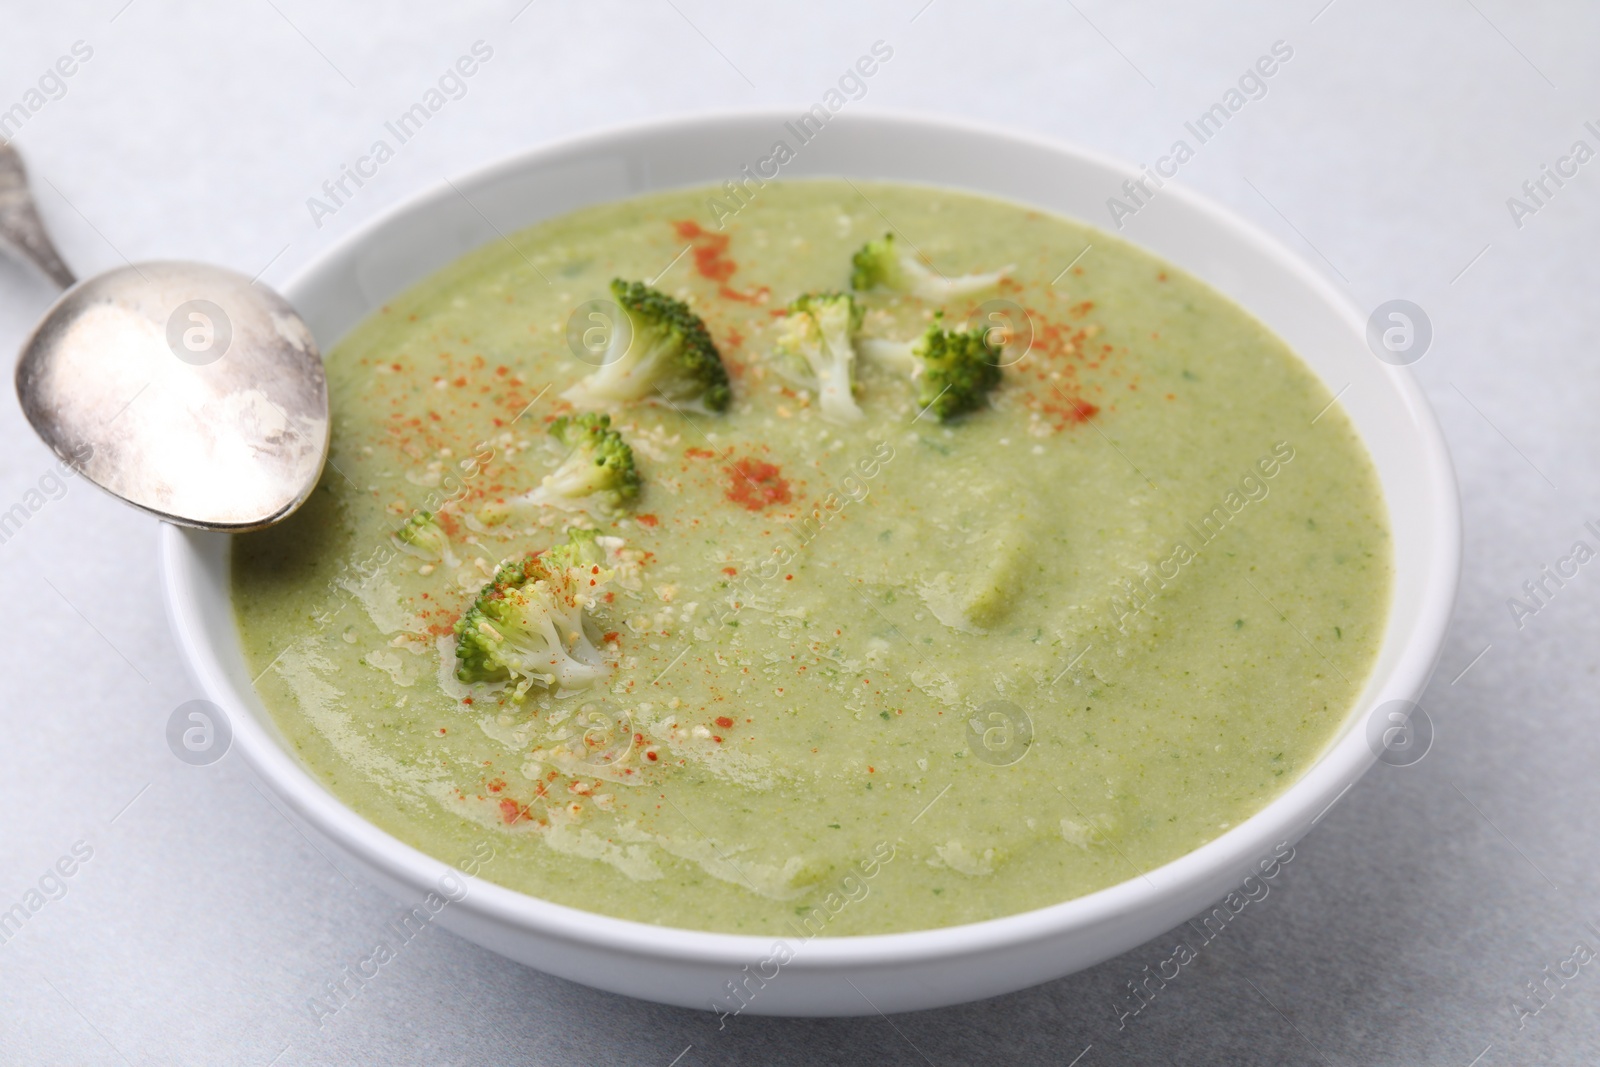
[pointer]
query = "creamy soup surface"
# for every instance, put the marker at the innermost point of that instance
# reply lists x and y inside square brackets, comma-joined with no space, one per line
[863,678]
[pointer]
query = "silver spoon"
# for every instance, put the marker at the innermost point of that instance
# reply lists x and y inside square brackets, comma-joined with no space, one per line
[185,389]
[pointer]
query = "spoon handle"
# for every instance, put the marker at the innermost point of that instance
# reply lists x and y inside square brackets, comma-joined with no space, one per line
[20,225]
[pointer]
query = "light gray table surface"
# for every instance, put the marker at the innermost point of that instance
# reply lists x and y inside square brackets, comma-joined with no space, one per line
[1384,152]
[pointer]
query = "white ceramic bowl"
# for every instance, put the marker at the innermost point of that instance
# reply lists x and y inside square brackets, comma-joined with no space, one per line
[893,972]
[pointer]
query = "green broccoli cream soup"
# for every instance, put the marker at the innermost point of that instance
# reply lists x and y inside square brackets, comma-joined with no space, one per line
[794,579]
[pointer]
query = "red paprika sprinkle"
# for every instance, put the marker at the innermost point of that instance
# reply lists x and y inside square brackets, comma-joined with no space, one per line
[754,483]
[709,258]
[512,812]
[755,296]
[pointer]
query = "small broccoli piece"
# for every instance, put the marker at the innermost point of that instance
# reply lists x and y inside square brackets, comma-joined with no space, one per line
[959,368]
[881,264]
[668,355]
[956,369]
[598,467]
[421,536]
[816,346]
[528,625]
[581,550]
[597,474]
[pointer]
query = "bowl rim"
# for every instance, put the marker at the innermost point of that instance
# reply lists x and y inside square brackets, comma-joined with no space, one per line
[1285,818]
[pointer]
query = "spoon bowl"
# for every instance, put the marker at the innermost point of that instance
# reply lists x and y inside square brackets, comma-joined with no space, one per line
[187,390]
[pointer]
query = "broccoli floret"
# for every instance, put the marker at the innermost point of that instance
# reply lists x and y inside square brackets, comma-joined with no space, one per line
[598,467]
[959,368]
[669,354]
[955,369]
[421,536]
[816,346]
[881,264]
[598,472]
[528,624]
[581,550]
